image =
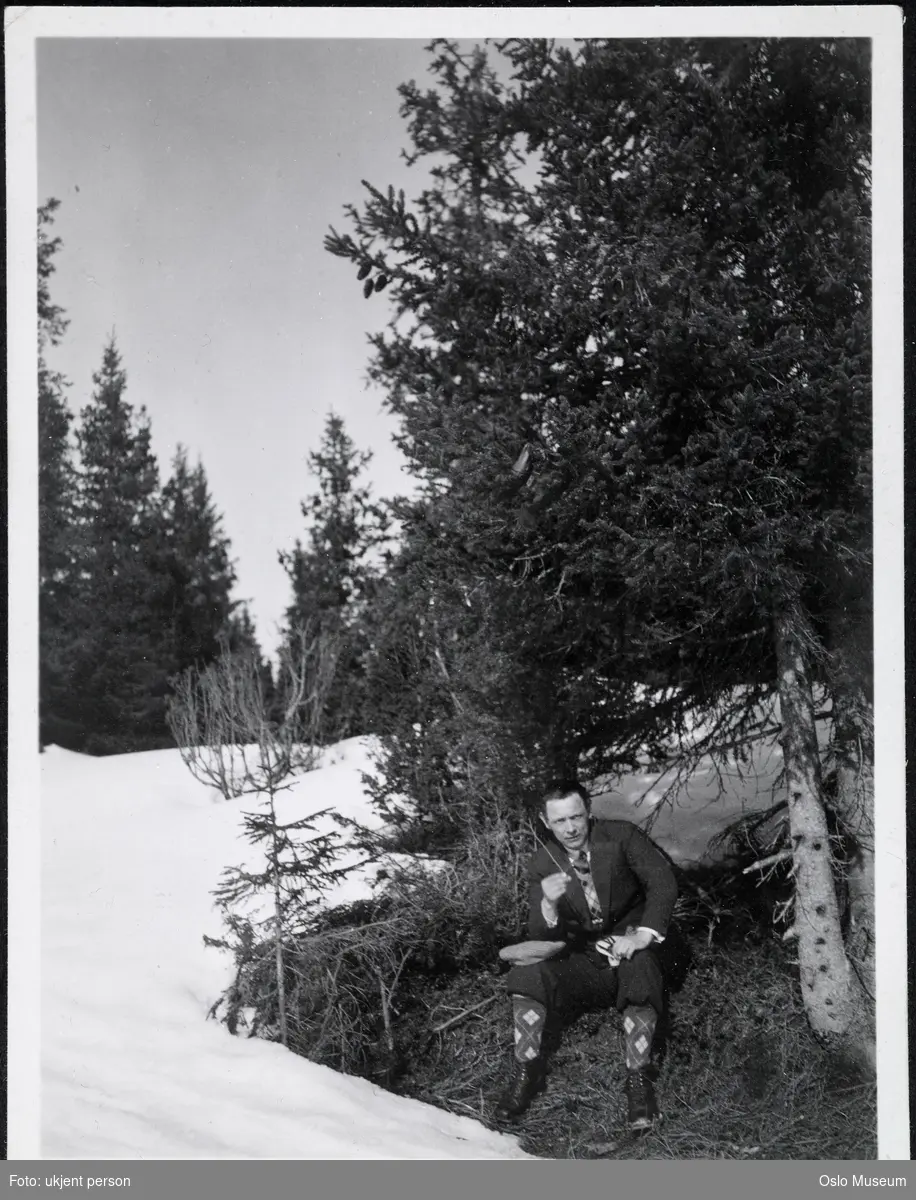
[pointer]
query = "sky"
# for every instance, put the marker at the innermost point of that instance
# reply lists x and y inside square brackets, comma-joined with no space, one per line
[197,180]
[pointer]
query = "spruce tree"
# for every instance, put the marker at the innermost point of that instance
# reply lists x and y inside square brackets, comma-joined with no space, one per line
[333,575]
[634,379]
[56,505]
[123,656]
[197,606]
[221,719]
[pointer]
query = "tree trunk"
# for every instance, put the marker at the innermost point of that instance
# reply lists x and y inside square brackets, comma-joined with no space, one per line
[278,932]
[833,997]
[853,733]
[281,982]
[854,805]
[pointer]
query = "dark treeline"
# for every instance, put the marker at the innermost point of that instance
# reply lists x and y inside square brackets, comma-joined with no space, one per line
[136,574]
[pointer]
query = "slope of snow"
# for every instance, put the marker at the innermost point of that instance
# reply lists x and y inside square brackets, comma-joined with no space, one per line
[131,1068]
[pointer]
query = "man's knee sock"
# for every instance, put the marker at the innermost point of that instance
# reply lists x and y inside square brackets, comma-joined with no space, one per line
[639,1028]
[529,1018]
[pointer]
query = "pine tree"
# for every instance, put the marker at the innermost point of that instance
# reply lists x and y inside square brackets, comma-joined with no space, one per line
[637,392]
[56,503]
[333,575]
[197,605]
[124,654]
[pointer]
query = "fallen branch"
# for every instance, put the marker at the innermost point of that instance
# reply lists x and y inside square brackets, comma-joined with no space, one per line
[461,1016]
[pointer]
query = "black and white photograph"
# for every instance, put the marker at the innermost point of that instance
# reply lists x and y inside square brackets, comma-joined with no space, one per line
[456,604]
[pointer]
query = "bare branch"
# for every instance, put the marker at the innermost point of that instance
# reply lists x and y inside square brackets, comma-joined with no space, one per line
[770,861]
[464,1015]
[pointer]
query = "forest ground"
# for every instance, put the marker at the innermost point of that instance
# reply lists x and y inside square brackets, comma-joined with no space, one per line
[741,1075]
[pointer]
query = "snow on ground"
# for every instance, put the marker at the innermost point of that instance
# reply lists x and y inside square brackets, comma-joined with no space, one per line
[131,849]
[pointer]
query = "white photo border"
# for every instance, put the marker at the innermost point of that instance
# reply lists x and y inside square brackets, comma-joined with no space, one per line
[881,23]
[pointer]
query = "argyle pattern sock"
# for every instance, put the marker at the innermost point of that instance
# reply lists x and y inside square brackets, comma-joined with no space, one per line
[529,1018]
[638,1029]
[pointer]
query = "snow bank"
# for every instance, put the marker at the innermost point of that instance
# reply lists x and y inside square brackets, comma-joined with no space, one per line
[131,848]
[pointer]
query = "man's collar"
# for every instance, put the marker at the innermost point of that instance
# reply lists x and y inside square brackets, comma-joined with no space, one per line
[570,854]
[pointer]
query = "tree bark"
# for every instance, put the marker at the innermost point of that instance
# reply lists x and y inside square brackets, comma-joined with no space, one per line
[281,981]
[278,931]
[854,806]
[833,997]
[853,732]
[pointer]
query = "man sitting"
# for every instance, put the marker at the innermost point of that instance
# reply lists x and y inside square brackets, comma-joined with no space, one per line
[595,883]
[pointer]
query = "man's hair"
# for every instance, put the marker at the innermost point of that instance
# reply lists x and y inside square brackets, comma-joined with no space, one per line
[559,791]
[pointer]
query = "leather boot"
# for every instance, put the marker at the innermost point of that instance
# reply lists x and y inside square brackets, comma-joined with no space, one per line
[525,1084]
[641,1107]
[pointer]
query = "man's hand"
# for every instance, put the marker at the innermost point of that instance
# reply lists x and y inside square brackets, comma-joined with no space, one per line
[554,886]
[628,944]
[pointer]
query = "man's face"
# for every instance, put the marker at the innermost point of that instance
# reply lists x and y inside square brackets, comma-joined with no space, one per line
[567,819]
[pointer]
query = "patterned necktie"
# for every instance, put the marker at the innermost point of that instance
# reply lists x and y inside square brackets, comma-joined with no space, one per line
[583,871]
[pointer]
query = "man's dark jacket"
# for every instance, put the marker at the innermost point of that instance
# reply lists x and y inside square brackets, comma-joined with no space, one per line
[633,879]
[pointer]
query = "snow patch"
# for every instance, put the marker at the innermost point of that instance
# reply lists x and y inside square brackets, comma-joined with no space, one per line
[132,846]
